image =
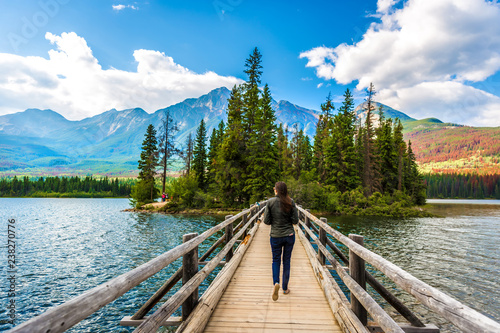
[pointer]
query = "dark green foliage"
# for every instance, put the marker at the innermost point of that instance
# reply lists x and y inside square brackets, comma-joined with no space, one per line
[200,156]
[323,131]
[462,186]
[301,151]
[145,191]
[284,153]
[74,187]
[231,157]
[261,151]
[341,158]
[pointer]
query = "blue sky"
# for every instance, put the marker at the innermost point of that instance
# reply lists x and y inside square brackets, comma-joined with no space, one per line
[426,58]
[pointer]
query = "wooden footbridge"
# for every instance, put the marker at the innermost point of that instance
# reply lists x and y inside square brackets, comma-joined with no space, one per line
[239,298]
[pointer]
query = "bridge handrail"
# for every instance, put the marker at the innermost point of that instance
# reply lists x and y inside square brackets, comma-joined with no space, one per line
[462,316]
[68,314]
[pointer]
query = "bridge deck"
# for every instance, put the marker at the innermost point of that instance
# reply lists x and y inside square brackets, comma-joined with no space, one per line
[246,305]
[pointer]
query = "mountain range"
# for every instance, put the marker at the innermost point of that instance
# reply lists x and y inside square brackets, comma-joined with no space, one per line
[35,142]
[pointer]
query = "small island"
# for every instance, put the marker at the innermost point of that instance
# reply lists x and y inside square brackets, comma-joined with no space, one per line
[355,165]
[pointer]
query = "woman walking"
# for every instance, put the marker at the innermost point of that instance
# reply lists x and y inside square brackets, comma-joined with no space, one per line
[281,213]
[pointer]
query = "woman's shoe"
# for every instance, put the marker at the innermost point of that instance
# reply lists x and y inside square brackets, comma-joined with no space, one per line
[275,291]
[286,291]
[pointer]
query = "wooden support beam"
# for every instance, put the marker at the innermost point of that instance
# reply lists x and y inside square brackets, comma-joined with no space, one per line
[189,269]
[357,272]
[407,328]
[229,235]
[203,263]
[128,321]
[307,224]
[322,240]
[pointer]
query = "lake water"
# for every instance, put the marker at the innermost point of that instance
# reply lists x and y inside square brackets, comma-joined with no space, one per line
[67,246]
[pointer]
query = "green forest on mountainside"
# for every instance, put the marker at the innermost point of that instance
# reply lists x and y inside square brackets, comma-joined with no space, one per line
[350,168]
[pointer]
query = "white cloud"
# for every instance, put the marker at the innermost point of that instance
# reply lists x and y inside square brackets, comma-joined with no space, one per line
[415,53]
[319,85]
[121,7]
[72,82]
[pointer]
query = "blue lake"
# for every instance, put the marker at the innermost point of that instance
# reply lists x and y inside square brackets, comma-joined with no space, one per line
[67,246]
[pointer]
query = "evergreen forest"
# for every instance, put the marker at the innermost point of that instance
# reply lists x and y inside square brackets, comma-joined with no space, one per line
[462,186]
[71,187]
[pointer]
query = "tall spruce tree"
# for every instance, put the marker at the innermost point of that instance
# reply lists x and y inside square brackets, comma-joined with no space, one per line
[200,156]
[213,149]
[166,141]
[263,167]
[371,179]
[144,191]
[284,153]
[341,156]
[387,154]
[323,130]
[400,145]
[231,156]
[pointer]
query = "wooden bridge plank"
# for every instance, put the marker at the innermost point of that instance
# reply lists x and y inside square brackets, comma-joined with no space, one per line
[246,305]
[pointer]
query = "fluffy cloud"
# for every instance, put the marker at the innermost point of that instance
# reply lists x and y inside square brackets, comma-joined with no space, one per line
[72,82]
[423,57]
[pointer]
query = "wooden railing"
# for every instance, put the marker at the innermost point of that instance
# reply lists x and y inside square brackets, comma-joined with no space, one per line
[68,314]
[352,316]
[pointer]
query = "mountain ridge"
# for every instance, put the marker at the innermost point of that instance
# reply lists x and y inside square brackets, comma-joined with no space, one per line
[38,141]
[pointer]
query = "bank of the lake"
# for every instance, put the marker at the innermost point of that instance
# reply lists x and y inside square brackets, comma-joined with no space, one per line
[67,246]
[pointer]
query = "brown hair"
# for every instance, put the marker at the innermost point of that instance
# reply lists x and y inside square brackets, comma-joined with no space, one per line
[285,200]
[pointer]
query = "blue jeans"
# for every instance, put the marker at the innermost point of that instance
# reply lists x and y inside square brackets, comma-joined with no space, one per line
[281,245]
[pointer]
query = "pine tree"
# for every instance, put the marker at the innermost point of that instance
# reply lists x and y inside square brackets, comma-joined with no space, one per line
[230,158]
[341,155]
[212,154]
[371,180]
[213,151]
[284,153]
[323,129]
[166,140]
[263,167]
[387,155]
[145,191]
[200,156]
[400,145]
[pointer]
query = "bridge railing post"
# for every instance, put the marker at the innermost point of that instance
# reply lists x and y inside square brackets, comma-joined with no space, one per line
[357,272]
[307,222]
[322,240]
[229,235]
[244,221]
[189,269]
